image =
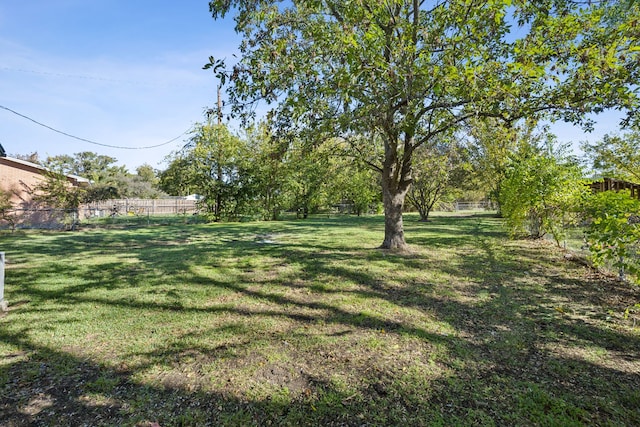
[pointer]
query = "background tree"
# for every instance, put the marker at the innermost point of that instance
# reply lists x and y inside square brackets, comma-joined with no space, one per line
[144,184]
[354,185]
[108,181]
[58,193]
[408,71]
[616,156]
[178,178]
[87,164]
[218,153]
[437,169]
[351,184]
[491,143]
[269,171]
[101,170]
[31,157]
[147,173]
[135,186]
[309,180]
[212,165]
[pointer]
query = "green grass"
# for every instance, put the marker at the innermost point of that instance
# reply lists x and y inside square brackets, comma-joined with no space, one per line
[307,323]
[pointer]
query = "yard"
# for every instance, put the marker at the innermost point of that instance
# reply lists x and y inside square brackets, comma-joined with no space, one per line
[307,323]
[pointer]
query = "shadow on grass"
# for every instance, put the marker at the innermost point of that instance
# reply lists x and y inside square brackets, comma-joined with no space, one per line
[513,352]
[36,393]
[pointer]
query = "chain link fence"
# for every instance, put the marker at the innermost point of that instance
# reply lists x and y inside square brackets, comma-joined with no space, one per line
[456,206]
[575,241]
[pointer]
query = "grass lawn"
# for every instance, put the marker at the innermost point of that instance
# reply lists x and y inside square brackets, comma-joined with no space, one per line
[307,323]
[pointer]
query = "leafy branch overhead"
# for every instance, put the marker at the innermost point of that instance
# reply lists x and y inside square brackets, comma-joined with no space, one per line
[499,58]
[218,68]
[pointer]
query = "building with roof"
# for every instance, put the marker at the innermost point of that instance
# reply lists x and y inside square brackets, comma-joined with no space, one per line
[20,179]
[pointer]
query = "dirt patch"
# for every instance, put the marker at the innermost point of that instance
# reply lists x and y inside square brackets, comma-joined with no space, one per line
[287,377]
[37,404]
[189,381]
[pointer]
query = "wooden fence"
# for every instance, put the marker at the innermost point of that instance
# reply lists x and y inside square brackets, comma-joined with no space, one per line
[610,184]
[138,207]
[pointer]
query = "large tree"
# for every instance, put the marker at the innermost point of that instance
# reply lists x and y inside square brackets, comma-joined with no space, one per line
[406,71]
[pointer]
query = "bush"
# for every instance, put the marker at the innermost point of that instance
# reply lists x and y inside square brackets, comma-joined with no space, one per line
[614,232]
[541,194]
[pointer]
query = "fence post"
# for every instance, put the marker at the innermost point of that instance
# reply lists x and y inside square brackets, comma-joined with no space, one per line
[3,303]
[621,275]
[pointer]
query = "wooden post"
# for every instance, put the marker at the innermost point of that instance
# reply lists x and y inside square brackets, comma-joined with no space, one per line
[3,303]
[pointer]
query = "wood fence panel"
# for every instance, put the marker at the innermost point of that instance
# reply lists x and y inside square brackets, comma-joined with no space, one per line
[139,207]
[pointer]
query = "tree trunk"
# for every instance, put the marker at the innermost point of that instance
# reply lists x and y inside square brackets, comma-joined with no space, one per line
[396,181]
[425,215]
[393,226]
[218,209]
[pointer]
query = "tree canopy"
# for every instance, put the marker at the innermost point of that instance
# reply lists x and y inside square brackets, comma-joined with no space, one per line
[107,179]
[402,72]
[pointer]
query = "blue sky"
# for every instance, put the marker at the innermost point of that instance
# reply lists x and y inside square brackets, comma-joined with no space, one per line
[119,72]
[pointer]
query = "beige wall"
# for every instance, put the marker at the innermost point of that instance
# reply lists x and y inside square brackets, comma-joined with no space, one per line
[18,179]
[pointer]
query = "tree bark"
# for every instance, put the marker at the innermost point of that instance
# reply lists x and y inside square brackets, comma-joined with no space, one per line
[393,200]
[393,224]
[396,181]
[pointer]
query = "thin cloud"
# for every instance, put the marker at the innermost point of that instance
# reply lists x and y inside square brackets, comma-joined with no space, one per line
[103,99]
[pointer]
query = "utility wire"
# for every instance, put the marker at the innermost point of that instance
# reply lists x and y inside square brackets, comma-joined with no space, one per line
[72,76]
[96,78]
[88,140]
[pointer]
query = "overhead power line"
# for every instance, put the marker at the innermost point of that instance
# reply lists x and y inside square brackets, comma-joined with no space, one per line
[88,140]
[97,78]
[70,76]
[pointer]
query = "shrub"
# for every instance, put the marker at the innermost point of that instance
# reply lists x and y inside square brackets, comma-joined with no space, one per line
[614,231]
[541,194]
